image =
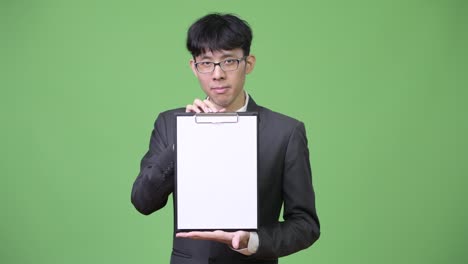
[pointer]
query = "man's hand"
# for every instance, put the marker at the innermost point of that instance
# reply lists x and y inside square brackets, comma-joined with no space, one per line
[236,240]
[204,106]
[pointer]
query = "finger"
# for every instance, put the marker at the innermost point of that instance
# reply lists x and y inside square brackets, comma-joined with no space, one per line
[222,110]
[218,236]
[201,105]
[191,108]
[235,241]
[182,234]
[195,235]
[223,235]
[211,105]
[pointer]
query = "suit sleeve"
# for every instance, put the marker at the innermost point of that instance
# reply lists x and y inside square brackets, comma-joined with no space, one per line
[300,227]
[155,181]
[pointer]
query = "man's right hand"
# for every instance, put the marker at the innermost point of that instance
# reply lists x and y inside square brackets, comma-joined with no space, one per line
[205,106]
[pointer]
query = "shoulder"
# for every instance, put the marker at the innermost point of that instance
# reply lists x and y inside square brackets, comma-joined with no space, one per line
[172,112]
[273,118]
[279,132]
[168,116]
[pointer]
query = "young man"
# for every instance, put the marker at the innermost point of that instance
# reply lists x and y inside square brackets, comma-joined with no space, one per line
[221,59]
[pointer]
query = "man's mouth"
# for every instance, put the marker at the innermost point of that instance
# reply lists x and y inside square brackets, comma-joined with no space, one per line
[220,89]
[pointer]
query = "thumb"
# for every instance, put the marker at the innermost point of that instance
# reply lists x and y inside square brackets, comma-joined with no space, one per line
[235,241]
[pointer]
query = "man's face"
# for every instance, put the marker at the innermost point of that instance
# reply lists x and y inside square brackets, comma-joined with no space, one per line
[224,88]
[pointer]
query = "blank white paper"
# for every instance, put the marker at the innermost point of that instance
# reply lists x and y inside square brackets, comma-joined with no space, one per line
[216,173]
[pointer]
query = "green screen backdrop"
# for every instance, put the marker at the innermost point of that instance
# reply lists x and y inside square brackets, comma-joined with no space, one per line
[380,85]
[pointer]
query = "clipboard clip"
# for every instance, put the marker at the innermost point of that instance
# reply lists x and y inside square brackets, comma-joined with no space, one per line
[215,118]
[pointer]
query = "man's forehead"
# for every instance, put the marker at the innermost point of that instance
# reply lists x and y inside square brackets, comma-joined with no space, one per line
[209,54]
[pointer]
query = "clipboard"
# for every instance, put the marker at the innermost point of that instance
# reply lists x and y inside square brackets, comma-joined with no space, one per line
[216,171]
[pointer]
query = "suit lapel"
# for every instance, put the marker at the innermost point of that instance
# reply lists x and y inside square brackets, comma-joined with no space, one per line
[253,107]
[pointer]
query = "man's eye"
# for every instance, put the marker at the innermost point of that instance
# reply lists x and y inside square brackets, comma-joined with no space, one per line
[229,61]
[205,63]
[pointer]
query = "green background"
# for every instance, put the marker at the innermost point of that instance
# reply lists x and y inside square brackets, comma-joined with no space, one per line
[380,85]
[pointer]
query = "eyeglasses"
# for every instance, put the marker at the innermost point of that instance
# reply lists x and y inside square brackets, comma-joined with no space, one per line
[225,65]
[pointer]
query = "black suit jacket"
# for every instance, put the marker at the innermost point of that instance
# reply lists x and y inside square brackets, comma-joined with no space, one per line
[284,177]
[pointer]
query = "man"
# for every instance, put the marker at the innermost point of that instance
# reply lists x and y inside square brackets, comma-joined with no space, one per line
[221,59]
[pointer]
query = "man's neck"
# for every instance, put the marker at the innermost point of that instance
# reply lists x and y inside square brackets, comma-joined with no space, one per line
[239,105]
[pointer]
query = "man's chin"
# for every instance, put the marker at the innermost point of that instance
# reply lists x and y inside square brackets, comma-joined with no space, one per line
[220,103]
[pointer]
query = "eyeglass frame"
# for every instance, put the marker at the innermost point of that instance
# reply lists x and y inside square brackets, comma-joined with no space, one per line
[219,64]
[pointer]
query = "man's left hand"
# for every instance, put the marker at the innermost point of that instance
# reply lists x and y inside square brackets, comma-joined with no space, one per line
[236,240]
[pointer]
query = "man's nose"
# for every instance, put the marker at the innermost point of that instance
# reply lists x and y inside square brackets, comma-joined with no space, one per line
[218,73]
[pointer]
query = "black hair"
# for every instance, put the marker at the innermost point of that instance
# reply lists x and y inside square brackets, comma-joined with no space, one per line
[217,31]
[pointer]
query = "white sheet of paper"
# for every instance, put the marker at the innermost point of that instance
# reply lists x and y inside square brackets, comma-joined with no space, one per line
[216,173]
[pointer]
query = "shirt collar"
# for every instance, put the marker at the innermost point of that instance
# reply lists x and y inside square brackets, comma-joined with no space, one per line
[243,108]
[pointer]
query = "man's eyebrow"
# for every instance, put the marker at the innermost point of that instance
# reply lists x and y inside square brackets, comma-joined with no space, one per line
[205,57]
[226,55]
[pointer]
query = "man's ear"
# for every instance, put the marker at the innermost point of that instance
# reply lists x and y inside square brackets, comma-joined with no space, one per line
[250,63]
[192,66]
